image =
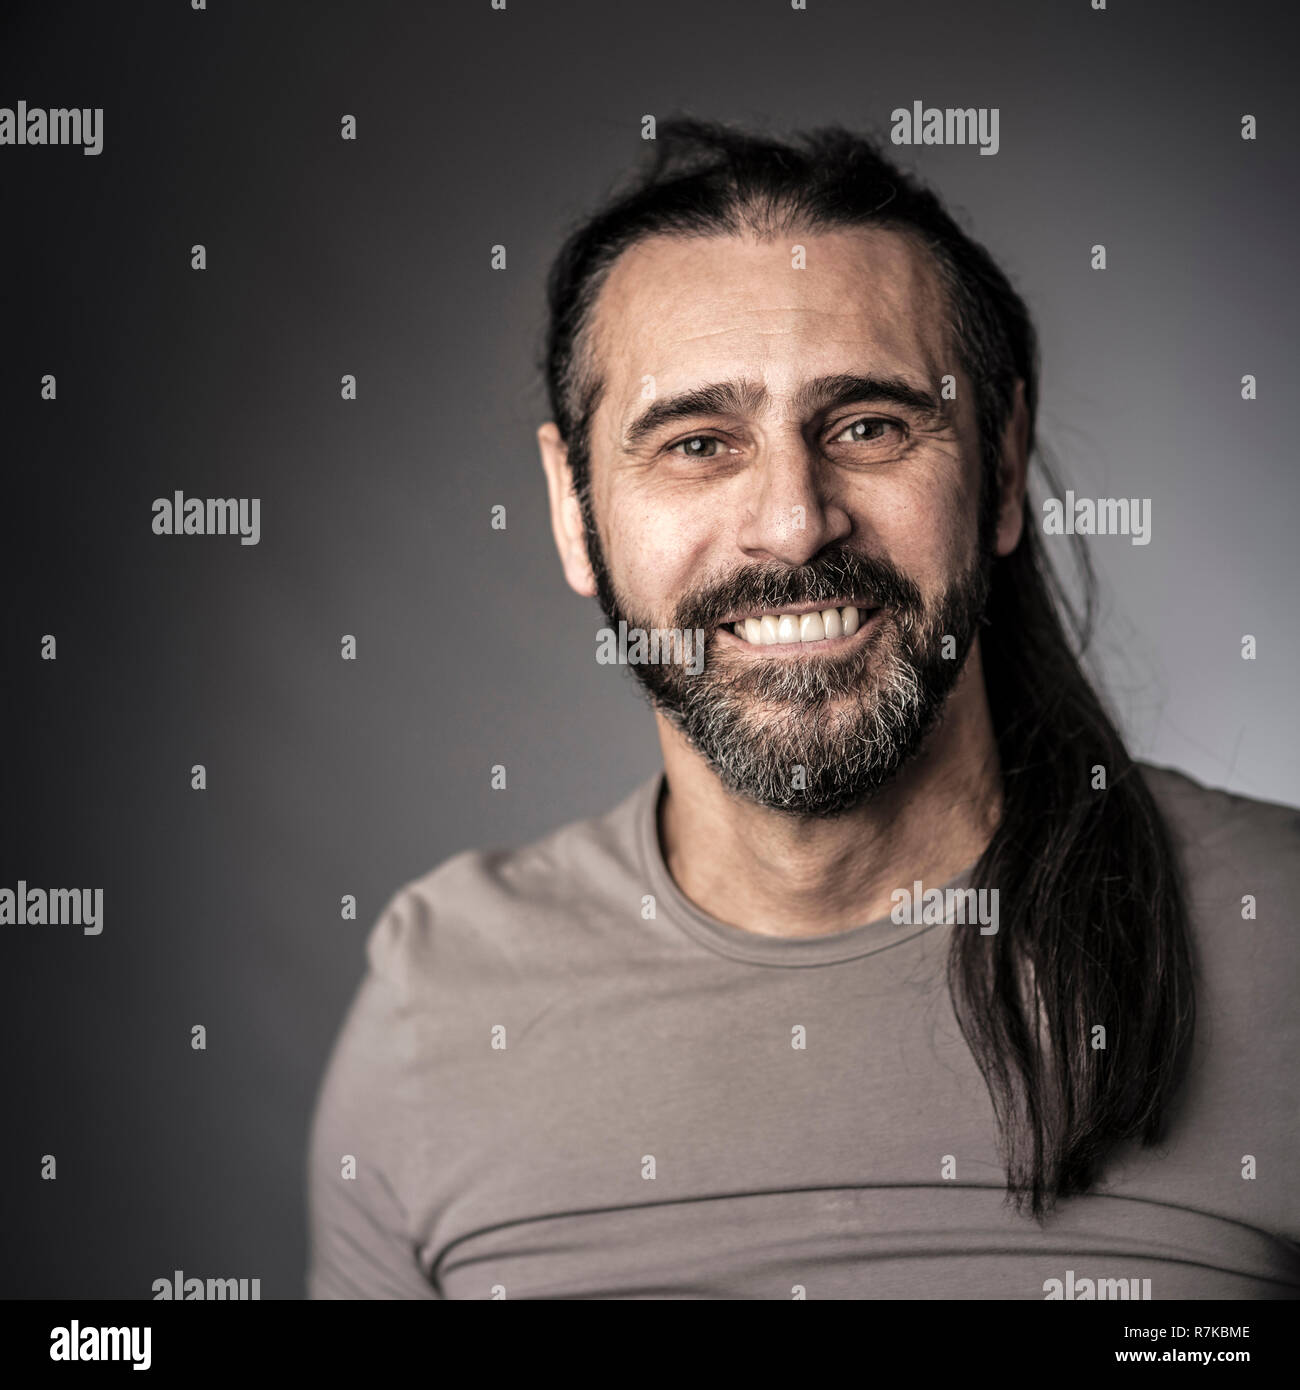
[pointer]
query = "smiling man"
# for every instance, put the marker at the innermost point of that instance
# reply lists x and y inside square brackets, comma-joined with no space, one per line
[901,980]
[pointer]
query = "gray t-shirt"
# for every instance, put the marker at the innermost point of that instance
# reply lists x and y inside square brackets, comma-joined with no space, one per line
[561,1079]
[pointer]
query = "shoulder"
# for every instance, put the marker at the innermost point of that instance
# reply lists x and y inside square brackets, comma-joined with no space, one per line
[1225,823]
[495,901]
[483,925]
[1240,856]
[1240,860]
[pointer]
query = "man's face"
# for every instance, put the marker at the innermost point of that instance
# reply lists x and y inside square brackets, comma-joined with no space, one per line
[774,441]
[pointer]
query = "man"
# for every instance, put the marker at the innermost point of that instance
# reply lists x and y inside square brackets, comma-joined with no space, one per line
[902,980]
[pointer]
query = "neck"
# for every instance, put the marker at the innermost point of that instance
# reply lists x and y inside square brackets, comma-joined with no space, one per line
[778,874]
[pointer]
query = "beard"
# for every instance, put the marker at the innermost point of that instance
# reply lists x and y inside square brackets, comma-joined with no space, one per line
[811,736]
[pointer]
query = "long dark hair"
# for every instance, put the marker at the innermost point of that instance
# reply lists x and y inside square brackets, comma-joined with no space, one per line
[1093,929]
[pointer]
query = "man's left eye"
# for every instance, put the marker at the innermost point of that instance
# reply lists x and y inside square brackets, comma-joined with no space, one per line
[866,431]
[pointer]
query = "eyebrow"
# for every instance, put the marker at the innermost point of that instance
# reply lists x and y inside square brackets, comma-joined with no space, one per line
[746,397]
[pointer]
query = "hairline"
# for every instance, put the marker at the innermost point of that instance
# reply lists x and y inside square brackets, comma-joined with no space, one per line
[583,388]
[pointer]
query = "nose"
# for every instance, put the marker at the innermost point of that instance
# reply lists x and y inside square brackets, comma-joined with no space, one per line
[790,516]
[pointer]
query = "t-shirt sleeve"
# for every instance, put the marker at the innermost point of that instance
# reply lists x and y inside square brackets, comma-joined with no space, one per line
[360,1242]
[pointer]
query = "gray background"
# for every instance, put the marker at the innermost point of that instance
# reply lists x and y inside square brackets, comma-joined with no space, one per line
[478,127]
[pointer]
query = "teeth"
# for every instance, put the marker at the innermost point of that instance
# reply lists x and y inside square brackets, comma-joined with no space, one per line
[799,627]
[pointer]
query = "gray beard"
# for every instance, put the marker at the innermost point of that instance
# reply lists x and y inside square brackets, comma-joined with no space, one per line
[821,737]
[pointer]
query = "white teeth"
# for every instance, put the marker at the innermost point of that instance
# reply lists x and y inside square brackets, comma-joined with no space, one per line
[799,627]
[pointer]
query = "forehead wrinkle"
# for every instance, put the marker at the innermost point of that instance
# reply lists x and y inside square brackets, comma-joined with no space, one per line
[913,275]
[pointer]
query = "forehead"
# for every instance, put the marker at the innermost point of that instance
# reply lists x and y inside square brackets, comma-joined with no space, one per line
[685,310]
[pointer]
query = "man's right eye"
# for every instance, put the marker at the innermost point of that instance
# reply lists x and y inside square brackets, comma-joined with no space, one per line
[695,446]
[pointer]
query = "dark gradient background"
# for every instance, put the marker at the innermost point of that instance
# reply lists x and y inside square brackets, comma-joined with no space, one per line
[326,777]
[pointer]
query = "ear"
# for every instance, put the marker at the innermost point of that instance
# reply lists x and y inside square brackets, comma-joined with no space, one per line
[1013,472]
[566,515]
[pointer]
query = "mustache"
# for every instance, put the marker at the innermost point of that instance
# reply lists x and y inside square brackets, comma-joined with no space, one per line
[830,577]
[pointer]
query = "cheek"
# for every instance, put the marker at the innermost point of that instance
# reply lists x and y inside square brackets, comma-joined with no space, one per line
[926,526]
[660,546]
